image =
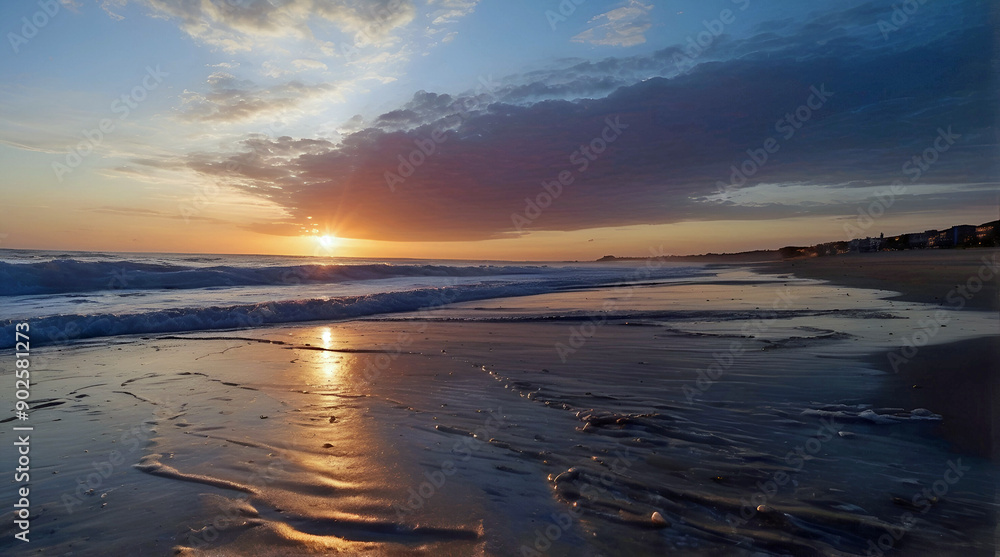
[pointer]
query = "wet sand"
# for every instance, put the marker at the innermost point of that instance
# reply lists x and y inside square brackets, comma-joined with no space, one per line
[961,381]
[926,276]
[746,411]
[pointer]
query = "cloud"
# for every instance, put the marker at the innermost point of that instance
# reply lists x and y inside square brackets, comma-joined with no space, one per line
[241,25]
[230,100]
[108,6]
[444,12]
[272,70]
[681,135]
[355,123]
[306,64]
[625,26]
[129,211]
[148,213]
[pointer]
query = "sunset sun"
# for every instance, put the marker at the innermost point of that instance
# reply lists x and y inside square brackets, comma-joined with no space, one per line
[327,241]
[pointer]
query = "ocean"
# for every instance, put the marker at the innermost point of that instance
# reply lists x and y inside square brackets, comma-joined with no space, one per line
[81,295]
[260,405]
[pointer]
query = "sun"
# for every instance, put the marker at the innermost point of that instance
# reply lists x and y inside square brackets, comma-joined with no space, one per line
[326,244]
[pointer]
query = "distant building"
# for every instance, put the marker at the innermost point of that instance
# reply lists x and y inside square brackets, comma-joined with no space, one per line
[988,233]
[918,240]
[942,239]
[866,245]
[895,243]
[963,234]
[875,244]
[960,235]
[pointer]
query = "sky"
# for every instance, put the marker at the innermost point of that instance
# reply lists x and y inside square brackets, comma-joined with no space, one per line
[489,129]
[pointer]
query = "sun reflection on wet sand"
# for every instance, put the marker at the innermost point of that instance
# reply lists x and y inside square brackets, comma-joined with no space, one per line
[329,363]
[316,472]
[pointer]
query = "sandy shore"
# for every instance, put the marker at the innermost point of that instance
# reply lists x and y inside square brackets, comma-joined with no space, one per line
[962,379]
[927,276]
[746,410]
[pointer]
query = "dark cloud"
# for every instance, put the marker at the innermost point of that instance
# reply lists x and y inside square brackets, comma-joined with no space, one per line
[680,136]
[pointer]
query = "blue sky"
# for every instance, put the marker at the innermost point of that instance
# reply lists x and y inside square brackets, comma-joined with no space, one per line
[262,125]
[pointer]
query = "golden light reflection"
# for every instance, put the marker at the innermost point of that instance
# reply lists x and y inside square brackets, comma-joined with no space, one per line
[336,467]
[330,366]
[330,363]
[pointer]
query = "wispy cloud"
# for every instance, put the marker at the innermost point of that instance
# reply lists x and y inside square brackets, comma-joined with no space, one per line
[444,12]
[245,25]
[308,64]
[108,7]
[230,100]
[625,26]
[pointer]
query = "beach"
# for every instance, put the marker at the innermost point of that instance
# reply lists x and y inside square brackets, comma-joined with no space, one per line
[756,410]
[455,278]
[927,276]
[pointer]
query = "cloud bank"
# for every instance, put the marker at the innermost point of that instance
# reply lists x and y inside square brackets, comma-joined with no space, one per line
[682,130]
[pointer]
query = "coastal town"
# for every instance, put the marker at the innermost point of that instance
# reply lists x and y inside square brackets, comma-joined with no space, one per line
[959,236]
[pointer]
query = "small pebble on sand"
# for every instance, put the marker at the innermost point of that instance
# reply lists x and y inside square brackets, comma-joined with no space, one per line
[658,520]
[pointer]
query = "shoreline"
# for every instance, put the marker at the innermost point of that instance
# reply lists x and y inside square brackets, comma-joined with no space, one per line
[470,428]
[926,276]
[958,379]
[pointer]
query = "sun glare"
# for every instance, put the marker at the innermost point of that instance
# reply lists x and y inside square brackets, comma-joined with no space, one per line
[326,243]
